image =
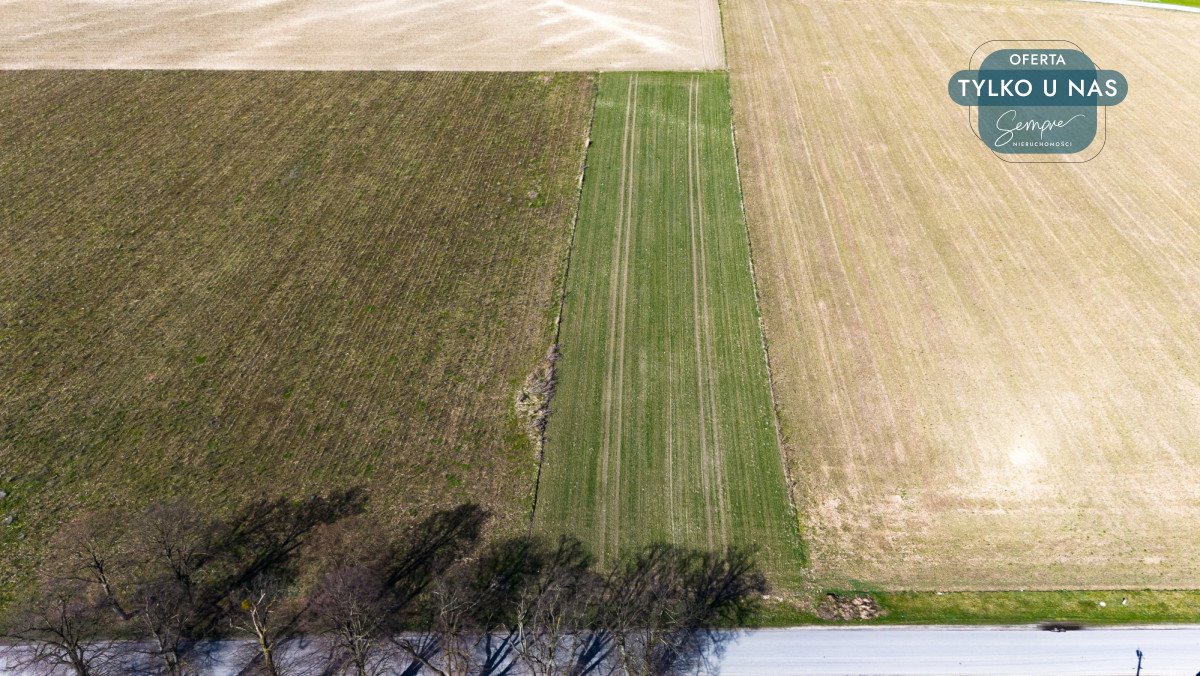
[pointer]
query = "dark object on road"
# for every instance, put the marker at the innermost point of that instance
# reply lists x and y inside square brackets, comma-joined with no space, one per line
[1060,626]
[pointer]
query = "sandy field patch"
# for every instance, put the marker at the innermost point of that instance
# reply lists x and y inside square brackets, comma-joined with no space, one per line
[989,374]
[491,35]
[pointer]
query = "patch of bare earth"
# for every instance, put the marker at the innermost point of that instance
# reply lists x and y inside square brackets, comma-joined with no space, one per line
[846,608]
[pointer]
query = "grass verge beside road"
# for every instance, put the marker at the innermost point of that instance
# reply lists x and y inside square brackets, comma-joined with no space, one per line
[1009,608]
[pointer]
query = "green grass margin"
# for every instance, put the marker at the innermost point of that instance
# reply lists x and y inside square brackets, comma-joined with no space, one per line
[1005,608]
[1181,3]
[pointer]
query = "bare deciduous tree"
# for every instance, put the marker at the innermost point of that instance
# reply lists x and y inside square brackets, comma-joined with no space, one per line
[666,606]
[61,629]
[425,606]
[552,619]
[270,612]
[171,549]
[166,613]
[445,642]
[93,550]
[279,570]
[350,609]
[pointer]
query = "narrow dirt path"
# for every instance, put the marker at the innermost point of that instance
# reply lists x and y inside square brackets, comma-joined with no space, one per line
[698,291]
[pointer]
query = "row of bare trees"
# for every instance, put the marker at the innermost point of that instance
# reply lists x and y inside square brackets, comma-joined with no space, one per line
[286,587]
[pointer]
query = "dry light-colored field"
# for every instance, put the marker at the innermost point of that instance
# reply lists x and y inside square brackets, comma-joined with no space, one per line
[492,35]
[989,373]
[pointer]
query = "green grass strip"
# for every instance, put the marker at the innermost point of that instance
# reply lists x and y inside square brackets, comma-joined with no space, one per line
[1184,3]
[662,426]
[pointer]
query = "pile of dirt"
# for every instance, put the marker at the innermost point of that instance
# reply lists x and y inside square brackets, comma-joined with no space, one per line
[533,399]
[847,608]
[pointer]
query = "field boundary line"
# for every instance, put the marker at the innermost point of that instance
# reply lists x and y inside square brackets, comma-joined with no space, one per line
[710,33]
[762,331]
[562,291]
[628,233]
[701,393]
[724,43]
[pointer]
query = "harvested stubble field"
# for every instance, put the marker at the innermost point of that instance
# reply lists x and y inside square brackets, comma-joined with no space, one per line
[513,35]
[662,426]
[989,374]
[227,285]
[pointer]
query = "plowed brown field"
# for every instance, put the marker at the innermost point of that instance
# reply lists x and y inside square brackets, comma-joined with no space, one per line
[989,373]
[220,285]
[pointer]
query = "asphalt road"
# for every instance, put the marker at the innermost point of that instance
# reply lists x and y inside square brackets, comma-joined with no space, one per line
[945,650]
[908,651]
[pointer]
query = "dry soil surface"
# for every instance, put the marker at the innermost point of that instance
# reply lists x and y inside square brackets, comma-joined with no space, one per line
[492,35]
[989,373]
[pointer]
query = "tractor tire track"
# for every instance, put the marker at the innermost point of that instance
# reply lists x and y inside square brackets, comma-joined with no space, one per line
[704,319]
[697,291]
[618,285]
[710,443]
